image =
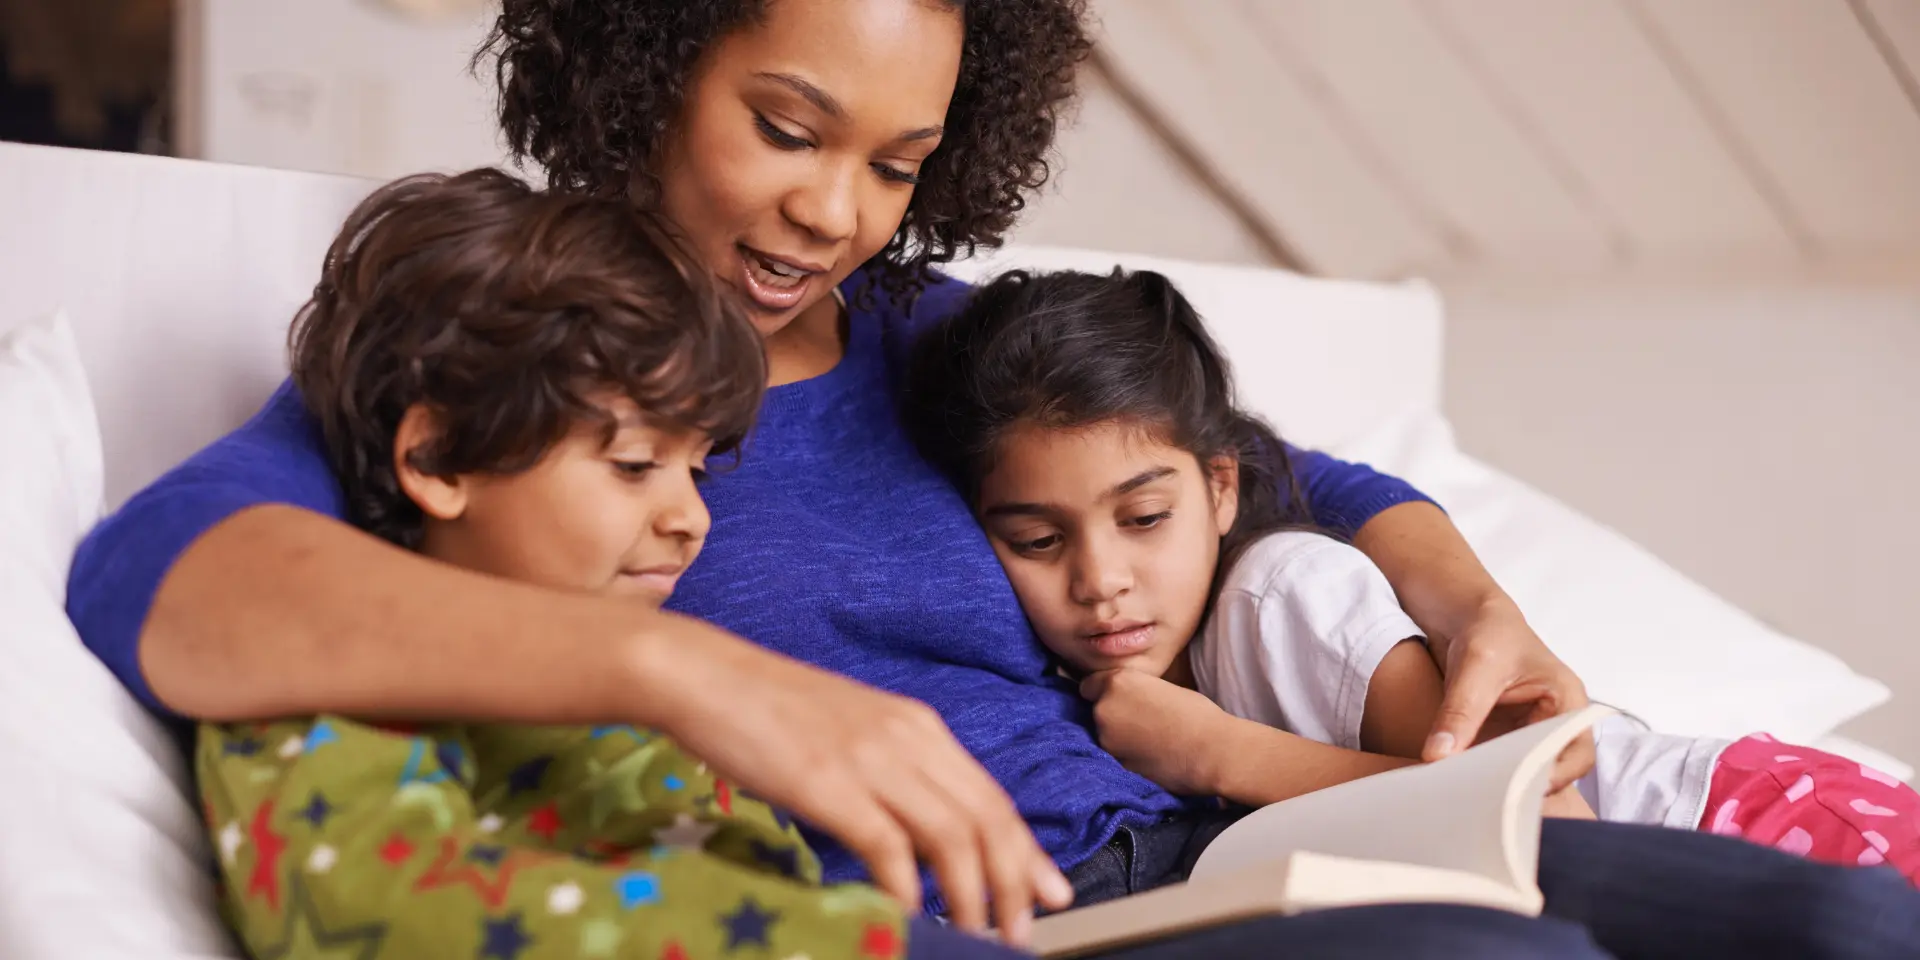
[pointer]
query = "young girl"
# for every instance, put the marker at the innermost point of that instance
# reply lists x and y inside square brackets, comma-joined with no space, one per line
[1157,540]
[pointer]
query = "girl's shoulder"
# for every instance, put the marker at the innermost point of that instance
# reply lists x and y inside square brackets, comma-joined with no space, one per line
[1289,561]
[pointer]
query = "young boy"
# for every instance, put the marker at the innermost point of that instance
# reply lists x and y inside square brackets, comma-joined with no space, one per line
[528,385]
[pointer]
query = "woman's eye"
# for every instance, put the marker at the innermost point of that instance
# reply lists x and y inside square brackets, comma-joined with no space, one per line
[896,175]
[778,137]
[634,469]
[1152,520]
[700,475]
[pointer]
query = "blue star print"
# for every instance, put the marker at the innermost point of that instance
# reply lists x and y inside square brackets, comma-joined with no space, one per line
[317,810]
[749,924]
[637,890]
[321,735]
[504,938]
[527,776]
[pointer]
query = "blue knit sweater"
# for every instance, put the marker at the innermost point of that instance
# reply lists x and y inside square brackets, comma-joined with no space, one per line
[832,542]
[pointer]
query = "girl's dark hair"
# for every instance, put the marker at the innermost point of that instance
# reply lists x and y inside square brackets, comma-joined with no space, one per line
[590,89]
[505,310]
[1070,349]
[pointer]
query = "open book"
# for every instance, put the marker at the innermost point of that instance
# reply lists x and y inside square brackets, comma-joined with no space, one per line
[1464,830]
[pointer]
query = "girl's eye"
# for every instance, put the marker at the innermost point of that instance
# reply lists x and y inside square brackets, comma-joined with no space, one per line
[778,137]
[1151,521]
[1036,545]
[634,469]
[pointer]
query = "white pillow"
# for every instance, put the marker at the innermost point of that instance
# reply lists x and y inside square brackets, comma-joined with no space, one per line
[103,855]
[1643,637]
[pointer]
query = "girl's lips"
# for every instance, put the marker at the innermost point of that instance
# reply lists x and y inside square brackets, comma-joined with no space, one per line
[1124,642]
[771,289]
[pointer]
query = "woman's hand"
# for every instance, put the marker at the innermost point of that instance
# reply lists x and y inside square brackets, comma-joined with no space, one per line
[878,772]
[1159,730]
[1501,677]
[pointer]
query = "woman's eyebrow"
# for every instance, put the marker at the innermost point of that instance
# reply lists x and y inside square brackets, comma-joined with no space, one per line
[825,103]
[816,96]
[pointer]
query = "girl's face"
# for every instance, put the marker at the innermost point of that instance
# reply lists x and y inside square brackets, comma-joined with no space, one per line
[1110,538]
[800,140]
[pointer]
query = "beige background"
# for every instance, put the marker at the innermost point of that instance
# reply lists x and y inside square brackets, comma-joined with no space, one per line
[1680,239]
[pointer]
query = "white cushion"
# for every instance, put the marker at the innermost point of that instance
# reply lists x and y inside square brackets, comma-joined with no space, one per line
[103,855]
[1354,369]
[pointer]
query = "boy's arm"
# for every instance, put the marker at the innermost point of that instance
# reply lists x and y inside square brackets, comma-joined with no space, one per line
[332,834]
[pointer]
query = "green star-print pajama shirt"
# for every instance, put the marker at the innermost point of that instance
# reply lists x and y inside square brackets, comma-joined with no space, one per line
[341,839]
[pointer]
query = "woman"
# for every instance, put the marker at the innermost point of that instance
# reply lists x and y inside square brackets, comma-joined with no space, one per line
[801,146]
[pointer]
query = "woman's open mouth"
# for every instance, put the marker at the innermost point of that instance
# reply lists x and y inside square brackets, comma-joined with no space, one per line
[776,284]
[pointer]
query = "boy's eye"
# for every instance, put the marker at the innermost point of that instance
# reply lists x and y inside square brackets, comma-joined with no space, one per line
[1152,520]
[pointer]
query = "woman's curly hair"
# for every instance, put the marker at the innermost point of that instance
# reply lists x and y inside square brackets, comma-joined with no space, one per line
[590,88]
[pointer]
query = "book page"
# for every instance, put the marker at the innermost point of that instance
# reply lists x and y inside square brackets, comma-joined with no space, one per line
[1477,812]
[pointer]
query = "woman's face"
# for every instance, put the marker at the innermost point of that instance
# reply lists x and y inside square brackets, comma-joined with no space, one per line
[800,140]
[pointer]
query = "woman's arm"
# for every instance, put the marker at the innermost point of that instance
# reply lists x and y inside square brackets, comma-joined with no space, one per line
[230,589]
[1496,667]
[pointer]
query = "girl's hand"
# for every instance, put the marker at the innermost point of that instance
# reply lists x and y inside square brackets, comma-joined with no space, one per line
[1500,677]
[878,772]
[1159,730]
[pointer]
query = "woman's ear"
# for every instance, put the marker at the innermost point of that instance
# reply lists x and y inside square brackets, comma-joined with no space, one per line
[1223,482]
[439,497]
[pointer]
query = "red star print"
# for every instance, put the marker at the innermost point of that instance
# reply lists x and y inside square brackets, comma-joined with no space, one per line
[674,951]
[880,942]
[545,822]
[266,867]
[396,850]
[451,867]
[606,853]
[724,795]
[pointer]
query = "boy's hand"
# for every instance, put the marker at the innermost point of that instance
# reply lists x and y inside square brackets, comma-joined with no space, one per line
[1159,730]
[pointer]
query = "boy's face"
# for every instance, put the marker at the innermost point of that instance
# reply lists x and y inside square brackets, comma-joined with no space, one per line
[620,518]
[1109,537]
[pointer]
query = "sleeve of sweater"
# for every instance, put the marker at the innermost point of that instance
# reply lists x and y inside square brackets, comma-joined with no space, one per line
[276,457]
[1344,496]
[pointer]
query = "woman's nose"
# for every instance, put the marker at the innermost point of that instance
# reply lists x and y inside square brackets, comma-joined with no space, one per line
[829,206]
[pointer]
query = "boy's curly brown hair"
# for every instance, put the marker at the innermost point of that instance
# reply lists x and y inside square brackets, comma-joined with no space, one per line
[590,89]
[505,311]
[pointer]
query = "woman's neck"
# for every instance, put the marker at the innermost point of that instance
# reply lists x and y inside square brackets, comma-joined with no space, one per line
[808,346]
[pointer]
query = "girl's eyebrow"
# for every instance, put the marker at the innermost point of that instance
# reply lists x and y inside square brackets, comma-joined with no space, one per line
[1120,489]
[1145,477]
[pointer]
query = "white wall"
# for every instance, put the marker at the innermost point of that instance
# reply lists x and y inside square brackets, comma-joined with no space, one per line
[333,86]
[1763,436]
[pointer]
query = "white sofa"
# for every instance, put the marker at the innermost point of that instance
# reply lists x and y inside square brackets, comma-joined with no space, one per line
[179,279]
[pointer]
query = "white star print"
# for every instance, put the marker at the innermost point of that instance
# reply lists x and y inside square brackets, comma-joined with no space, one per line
[230,840]
[491,823]
[322,859]
[565,899]
[291,747]
[685,832]
[799,956]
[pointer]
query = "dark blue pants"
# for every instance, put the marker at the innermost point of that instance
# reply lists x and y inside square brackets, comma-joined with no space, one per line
[1636,892]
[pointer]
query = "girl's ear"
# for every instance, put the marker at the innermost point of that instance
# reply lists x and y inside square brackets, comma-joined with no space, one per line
[439,497]
[1223,483]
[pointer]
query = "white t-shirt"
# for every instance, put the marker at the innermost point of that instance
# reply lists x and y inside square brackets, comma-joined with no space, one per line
[1302,623]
